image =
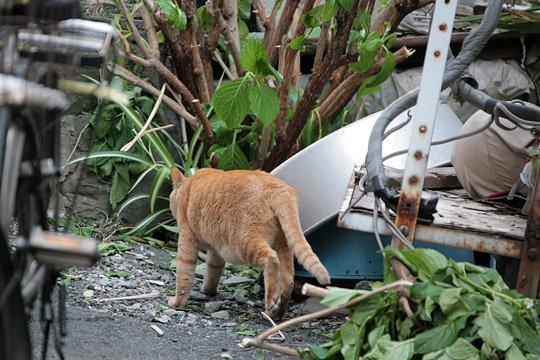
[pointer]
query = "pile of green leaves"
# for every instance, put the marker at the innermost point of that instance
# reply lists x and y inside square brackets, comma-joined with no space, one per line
[462,311]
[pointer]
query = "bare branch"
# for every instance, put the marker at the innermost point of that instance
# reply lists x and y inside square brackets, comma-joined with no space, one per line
[395,14]
[136,35]
[150,31]
[340,96]
[273,38]
[149,88]
[261,13]
[217,57]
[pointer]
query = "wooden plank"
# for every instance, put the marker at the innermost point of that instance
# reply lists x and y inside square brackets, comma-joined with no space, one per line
[456,212]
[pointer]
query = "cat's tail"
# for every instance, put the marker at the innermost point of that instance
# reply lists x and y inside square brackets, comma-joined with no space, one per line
[286,209]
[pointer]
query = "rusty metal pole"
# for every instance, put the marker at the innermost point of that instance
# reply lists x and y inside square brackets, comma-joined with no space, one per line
[529,267]
[423,119]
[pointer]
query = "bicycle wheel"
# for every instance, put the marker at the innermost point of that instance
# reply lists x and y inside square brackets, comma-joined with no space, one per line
[14,334]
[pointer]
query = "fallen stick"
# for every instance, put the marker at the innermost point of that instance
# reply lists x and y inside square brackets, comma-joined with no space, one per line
[154,294]
[157,330]
[314,291]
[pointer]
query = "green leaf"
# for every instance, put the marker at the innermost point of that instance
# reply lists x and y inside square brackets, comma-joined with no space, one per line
[253,56]
[157,183]
[346,4]
[426,261]
[231,102]
[494,325]
[452,303]
[437,355]
[330,9]
[439,337]
[232,158]
[173,13]
[403,350]
[118,274]
[120,184]
[514,353]
[350,334]
[461,349]
[244,9]
[264,103]
[339,296]
[298,42]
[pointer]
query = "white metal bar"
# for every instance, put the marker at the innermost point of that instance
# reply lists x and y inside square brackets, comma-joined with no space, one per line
[424,114]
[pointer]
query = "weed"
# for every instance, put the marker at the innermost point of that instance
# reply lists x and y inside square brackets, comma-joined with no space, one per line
[246,330]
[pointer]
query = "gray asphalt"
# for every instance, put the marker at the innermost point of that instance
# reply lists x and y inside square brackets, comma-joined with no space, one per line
[95,335]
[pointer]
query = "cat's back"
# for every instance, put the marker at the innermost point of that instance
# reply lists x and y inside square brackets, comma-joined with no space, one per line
[238,181]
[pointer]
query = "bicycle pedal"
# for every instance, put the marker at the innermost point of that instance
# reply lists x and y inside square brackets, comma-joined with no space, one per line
[62,250]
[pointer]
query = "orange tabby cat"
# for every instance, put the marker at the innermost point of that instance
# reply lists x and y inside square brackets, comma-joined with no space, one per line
[243,216]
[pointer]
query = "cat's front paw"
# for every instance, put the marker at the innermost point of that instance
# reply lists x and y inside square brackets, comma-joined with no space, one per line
[177,301]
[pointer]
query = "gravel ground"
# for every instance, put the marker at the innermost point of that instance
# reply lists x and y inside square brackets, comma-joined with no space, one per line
[106,325]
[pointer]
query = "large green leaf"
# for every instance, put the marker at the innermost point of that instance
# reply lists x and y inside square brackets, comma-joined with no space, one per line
[231,102]
[346,4]
[264,103]
[253,56]
[514,353]
[494,325]
[232,158]
[426,261]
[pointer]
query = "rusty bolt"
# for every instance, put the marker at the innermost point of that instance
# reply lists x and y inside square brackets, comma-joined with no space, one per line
[423,128]
[404,230]
[413,180]
[533,254]
[443,27]
[418,155]
[437,53]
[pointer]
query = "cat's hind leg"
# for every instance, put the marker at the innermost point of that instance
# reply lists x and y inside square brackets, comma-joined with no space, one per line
[259,253]
[286,259]
[214,269]
[186,260]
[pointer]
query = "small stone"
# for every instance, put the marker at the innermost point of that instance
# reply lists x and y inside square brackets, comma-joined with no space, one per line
[198,296]
[149,315]
[213,306]
[235,280]
[206,322]
[156,282]
[174,312]
[139,257]
[191,319]
[221,315]
[164,319]
[225,296]
[134,307]
[127,284]
[229,325]
[199,273]
[256,289]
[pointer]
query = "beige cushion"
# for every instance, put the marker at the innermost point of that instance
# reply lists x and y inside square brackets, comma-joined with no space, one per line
[491,161]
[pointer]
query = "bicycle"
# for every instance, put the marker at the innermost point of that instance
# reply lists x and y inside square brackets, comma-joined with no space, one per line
[37,38]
